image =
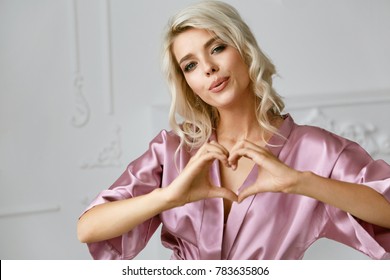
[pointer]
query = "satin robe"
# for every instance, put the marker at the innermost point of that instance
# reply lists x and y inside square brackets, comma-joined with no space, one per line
[263,226]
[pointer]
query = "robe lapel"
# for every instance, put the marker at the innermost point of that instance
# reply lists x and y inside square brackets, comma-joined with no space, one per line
[236,216]
[215,241]
[239,211]
[211,231]
[277,141]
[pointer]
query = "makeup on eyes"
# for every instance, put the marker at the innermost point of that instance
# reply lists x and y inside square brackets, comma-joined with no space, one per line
[220,47]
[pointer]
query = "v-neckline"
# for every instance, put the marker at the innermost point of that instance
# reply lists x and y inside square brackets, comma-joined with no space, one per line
[273,140]
[249,177]
[218,240]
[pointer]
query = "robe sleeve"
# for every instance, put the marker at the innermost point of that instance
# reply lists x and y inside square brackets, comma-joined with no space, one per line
[355,165]
[141,176]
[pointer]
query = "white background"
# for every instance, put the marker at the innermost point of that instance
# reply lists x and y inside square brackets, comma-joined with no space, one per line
[81,95]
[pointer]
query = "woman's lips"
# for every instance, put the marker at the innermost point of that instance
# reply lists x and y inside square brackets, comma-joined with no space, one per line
[219,84]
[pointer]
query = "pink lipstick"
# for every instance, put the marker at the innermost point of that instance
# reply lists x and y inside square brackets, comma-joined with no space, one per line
[219,84]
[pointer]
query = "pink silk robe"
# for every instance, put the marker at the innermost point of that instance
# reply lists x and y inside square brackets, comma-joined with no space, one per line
[264,226]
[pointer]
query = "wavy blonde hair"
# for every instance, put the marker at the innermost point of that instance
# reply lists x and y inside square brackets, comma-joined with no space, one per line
[197,119]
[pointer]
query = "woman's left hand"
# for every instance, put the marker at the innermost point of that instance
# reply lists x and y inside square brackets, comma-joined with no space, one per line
[273,175]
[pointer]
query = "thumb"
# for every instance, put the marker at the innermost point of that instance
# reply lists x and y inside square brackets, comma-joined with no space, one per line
[250,190]
[219,192]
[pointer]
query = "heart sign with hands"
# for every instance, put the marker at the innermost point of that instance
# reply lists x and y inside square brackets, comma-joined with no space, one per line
[273,175]
[194,183]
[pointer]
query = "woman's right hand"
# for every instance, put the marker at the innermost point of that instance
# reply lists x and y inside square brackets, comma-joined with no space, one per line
[194,183]
[112,219]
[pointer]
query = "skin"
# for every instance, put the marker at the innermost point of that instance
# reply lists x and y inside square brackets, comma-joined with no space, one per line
[204,59]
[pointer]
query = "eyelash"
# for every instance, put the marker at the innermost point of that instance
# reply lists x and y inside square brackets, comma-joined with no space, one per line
[218,49]
[189,67]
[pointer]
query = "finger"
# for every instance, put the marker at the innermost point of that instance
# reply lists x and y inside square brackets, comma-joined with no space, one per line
[235,155]
[213,155]
[213,150]
[257,156]
[213,147]
[249,191]
[219,192]
[219,146]
[243,144]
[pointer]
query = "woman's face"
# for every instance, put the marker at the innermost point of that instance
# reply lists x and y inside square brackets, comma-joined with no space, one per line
[214,70]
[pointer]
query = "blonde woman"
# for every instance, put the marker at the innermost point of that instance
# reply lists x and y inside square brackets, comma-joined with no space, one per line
[235,178]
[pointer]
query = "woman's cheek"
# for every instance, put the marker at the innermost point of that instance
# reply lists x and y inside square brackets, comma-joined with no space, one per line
[194,84]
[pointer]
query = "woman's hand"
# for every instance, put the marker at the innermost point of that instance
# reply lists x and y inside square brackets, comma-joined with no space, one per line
[273,175]
[194,183]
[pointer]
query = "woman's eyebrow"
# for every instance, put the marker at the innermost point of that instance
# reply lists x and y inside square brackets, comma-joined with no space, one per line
[206,45]
[210,42]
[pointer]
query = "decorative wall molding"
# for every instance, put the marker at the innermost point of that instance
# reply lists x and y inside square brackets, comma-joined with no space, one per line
[81,108]
[318,110]
[367,134]
[109,156]
[33,210]
[107,57]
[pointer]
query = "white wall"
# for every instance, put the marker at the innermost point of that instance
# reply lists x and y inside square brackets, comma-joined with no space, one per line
[81,95]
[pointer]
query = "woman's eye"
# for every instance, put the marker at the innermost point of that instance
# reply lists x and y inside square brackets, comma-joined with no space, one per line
[190,66]
[218,49]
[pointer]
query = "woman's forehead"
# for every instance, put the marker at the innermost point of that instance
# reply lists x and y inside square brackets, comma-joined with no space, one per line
[190,40]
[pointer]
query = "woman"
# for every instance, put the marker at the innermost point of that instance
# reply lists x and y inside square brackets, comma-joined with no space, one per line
[236,179]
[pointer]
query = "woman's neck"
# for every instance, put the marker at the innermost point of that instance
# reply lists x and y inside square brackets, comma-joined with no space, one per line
[238,125]
[243,124]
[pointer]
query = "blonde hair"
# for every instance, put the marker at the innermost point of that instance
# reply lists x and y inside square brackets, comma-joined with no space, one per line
[198,119]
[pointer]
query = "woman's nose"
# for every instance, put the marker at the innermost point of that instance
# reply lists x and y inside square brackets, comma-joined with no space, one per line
[210,69]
